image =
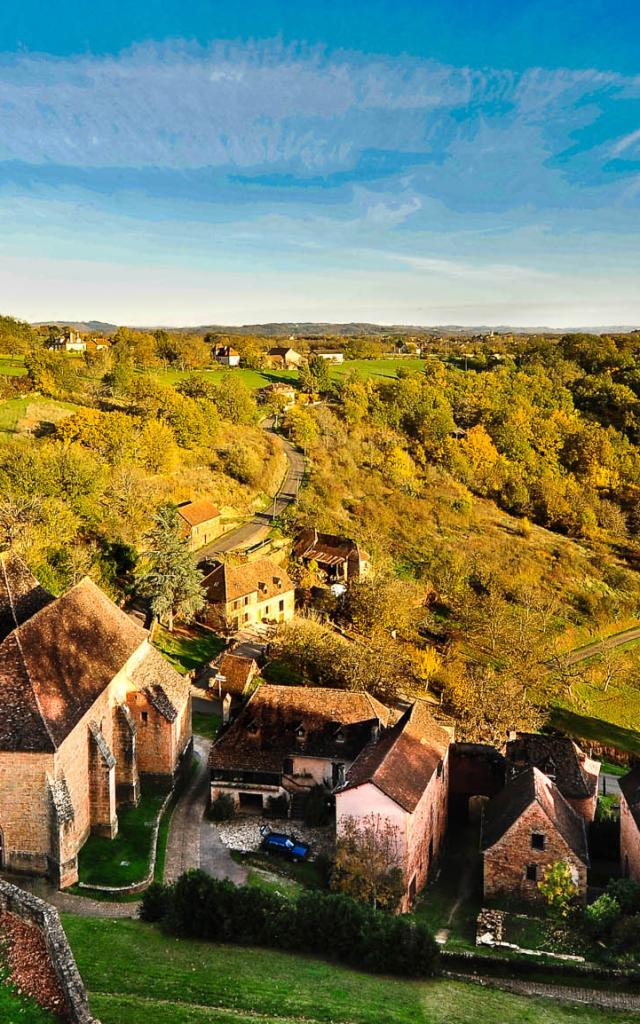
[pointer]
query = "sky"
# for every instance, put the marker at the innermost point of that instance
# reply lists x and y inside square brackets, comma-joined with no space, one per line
[425,163]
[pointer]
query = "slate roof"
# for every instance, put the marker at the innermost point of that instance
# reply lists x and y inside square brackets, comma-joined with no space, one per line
[237,671]
[197,512]
[229,582]
[336,725]
[55,664]
[529,787]
[402,762]
[575,775]
[630,786]
[21,596]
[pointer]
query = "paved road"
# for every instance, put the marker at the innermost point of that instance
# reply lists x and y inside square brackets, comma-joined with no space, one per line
[608,644]
[257,529]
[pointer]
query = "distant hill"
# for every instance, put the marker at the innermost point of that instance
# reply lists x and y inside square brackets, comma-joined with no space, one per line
[321,330]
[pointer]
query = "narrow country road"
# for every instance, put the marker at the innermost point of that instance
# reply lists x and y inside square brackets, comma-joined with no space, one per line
[598,646]
[257,529]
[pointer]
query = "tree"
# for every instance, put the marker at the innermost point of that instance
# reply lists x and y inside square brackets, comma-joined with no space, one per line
[170,576]
[315,376]
[367,864]
[488,704]
[558,889]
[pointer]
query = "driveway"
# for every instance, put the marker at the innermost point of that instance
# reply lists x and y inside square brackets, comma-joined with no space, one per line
[257,529]
[599,646]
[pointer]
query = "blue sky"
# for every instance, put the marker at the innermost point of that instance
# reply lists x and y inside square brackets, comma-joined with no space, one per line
[403,162]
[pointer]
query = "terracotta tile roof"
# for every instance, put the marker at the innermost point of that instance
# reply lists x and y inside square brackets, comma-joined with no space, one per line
[334,724]
[165,688]
[237,671]
[55,665]
[326,548]
[196,512]
[20,593]
[229,582]
[529,787]
[575,775]
[402,761]
[630,786]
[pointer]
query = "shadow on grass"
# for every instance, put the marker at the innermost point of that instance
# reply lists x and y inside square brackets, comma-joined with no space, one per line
[583,727]
[188,649]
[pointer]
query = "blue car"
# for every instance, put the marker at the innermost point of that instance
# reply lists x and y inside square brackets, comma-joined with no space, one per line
[284,846]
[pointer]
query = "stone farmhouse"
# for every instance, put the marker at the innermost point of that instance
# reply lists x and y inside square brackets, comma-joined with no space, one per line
[341,560]
[87,709]
[526,828]
[283,358]
[288,739]
[402,777]
[244,595]
[233,674]
[630,825]
[562,761]
[201,522]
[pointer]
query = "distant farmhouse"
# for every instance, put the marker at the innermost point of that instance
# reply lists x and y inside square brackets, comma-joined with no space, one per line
[87,709]
[330,357]
[283,358]
[68,341]
[341,559]
[243,595]
[226,355]
[201,522]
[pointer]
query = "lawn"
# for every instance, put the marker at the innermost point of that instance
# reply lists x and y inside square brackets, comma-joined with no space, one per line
[372,368]
[19,1009]
[452,900]
[133,972]
[125,859]
[205,725]
[610,734]
[29,414]
[187,649]
[252,378]
[12,366]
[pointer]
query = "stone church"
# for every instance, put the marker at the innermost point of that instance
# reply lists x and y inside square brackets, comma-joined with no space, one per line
[87,708]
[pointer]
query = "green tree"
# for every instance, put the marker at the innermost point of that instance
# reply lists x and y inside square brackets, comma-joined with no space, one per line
[558,889]
[169,575]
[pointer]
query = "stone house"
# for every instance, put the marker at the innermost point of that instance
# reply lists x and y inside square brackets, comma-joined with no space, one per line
[201,520]
[402,778]
[288,739]
[226,355]
[330,357]
[561,760]
[525,829]
[87,709]
[244,595]
[283,358]
[339,558]
[630,825]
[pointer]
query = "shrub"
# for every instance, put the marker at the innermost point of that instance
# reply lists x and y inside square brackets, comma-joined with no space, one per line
[156,902]
[601,915]
[222,808]
[625,935]
[317,807]
[627,893]
[330,925]
[278,806]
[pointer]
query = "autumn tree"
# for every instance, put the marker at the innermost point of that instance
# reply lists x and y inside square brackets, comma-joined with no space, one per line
[487,704]
[559,889]
[367,862]
[169,576]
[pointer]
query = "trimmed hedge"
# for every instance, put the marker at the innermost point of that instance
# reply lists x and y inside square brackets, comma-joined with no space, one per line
[326,924]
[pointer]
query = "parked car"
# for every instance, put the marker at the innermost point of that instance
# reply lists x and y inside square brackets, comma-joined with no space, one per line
[282,845]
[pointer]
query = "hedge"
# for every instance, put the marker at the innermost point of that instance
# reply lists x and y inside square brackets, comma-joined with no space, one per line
[329,925]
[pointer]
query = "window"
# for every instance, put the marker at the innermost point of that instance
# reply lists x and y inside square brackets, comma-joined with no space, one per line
[145,716]
[281,606]
[537,841]
[246,600]
[246,616]
[266,609]
[439,769]
[532,872]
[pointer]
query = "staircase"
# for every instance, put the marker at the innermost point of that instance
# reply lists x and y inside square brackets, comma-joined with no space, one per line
[298,800]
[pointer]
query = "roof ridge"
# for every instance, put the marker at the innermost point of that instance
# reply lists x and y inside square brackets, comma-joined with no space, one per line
[16,636]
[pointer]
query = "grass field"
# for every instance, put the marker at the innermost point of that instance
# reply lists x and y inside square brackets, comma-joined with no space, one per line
[135,973]
[600,730]
[18,1009]
[28,414]
[205,725]
[125,859]
[12,366]
[187,649]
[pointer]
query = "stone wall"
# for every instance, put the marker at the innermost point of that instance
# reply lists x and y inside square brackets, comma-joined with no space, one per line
[35,911]
[629,843]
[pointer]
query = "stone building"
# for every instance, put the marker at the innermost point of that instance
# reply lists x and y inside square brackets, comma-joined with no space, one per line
[525,829]
[282,357]
[287,739]
[225,355]
[87,708]
[402,779]
[630,825]
[562,761]
[243,595]
[476,773]
[233,674]
[339,558]
[201,521]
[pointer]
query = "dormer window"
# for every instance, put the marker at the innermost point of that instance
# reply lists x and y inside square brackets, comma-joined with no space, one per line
[340,736]
[253,728]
